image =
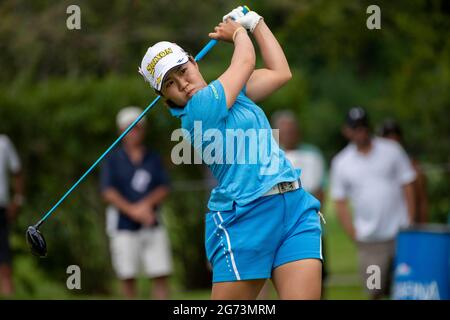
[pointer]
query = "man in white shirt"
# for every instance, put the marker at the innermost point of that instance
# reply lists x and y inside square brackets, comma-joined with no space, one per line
[376,175]
[9,164]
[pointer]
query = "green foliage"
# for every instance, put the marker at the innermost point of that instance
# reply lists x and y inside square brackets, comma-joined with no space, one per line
[59,135]
[60,91]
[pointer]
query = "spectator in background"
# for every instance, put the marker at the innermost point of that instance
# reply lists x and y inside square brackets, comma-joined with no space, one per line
[134,183]
[390,129]
[9,163]
[302,155]
[306,157]
[375,174]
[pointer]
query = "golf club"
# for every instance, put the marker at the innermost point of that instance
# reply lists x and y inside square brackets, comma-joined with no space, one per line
[34,237]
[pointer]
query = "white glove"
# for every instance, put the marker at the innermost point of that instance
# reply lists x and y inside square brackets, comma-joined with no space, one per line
[234,14]
[249,21]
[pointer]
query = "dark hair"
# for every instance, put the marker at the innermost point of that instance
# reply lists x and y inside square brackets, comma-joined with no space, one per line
[171,104]
[388,127]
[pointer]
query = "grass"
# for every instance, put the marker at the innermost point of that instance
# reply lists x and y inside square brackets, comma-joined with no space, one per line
[343,282]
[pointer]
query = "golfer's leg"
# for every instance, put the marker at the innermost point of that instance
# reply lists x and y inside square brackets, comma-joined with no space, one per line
[237,290]
[298,280]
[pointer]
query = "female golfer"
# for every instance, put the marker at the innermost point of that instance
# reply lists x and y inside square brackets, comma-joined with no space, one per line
[261,223]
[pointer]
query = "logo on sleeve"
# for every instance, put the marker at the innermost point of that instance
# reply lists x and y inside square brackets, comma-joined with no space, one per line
[216,95]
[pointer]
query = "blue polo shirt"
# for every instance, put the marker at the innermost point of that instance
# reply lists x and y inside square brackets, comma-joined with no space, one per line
[132,181]
[237,145]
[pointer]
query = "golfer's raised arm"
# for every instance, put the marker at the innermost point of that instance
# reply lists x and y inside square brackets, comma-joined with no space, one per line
[276,72]
[243,60]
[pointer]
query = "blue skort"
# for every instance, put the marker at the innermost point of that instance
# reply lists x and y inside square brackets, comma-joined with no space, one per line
[250,241]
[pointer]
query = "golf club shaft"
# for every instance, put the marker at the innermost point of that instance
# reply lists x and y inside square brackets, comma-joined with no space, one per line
[98,160]
[198,57]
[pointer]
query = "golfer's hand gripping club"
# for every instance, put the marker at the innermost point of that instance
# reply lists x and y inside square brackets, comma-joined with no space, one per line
[213,42]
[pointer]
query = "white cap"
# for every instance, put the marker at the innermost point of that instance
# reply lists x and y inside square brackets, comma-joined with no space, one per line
[159,59]
[127,115]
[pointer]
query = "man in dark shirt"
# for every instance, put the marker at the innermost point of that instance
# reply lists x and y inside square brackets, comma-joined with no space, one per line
[134,183]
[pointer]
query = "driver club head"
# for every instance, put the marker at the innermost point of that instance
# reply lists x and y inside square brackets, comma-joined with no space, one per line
[36,242]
